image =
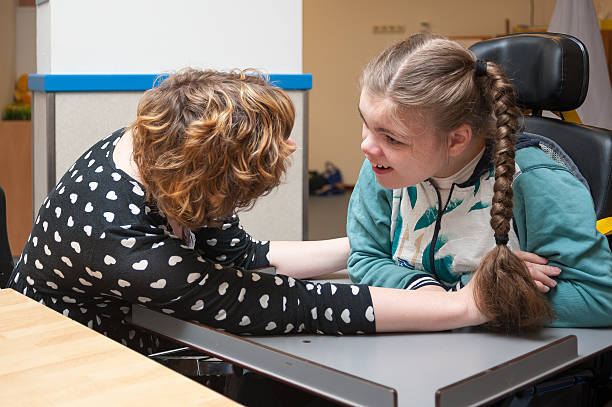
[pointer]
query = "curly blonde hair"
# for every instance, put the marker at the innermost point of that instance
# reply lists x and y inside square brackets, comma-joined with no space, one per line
[207,143]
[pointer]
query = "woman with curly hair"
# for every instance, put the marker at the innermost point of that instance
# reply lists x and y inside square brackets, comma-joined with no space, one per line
[147,216]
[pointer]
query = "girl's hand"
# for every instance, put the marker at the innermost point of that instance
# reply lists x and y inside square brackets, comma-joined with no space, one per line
[540,272]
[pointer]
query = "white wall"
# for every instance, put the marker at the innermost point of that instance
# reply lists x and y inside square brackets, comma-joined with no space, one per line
[152,36]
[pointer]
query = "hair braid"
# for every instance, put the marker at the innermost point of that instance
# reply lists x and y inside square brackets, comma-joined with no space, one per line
[505,290]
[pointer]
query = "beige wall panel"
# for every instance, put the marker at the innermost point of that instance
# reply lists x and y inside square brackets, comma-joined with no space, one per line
[81,119]
[339,41]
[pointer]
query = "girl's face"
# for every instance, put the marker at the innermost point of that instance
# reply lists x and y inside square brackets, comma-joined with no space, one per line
[402,154]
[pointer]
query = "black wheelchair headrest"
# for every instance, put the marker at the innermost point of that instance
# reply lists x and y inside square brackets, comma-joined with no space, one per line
[549,71]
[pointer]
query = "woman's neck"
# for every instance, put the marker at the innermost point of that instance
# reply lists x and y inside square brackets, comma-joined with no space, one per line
[123,156]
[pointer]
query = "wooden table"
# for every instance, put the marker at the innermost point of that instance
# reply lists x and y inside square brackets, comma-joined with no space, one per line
[47,359]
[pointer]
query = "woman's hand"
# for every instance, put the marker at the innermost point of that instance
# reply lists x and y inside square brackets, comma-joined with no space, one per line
[474,314]
[540,272]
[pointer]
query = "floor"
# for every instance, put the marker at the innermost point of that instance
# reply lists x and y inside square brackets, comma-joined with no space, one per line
[327,216]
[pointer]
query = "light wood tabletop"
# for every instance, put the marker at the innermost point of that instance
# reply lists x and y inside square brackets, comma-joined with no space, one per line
[47,359]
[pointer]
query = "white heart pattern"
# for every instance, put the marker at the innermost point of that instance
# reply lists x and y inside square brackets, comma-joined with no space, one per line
[244,321]
[109,216]
[134,209]
[111,195]
[174,260]
[161,283]
[263,301]
[369,314]
[93,185]
[221,315]
[70,222]
[141,265]
[123,283]
[87,229]
[328,314]
[241,295]
[84,282]
[58,212]
[137,190]
[73,198]
[234,241]
[67,261]
[108,260]
[57,236]
[193,277]
[47,250]
[354,289]
[116,177]
[38,264]
[96,274]
[211,242]
[199,304]
[76,246]
[270,326]
[88,207]
[223,288]
[129,242]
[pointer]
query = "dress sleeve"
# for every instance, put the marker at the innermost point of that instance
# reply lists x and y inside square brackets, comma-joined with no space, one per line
[555,219]
[368,228]
[231,245]
[159,271]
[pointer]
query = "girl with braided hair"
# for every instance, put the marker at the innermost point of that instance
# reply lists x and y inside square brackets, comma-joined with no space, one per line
[445,163]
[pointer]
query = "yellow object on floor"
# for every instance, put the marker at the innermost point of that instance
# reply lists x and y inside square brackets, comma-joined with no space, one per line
[605,226]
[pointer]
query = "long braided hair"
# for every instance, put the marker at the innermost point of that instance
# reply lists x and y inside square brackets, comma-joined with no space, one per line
[445,82]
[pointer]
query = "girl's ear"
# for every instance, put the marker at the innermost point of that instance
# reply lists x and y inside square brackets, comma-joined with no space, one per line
[459,139]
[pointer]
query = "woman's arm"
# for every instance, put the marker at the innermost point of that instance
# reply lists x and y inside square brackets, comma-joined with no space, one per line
[420,310]
[305,259]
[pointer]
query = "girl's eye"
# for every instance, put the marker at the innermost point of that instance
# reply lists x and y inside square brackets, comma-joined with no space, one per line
[391,140]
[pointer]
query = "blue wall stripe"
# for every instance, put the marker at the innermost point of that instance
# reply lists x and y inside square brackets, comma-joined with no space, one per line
[135,82]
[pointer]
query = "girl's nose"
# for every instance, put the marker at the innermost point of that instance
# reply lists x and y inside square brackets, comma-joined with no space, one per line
[368,144]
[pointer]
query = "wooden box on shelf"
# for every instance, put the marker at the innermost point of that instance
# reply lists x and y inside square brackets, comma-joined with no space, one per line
[16,179]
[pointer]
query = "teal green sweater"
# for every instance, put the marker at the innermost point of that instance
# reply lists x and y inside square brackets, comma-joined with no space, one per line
[553,217]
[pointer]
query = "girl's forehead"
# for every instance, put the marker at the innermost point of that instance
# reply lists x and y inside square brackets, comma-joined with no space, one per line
[381,111]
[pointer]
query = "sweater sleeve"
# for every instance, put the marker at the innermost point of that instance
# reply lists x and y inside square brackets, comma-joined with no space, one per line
[230,245]
[555,219]
[158,271]
[368,228]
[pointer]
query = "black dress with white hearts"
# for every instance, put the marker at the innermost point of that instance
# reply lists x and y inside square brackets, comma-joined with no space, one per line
[97,247]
